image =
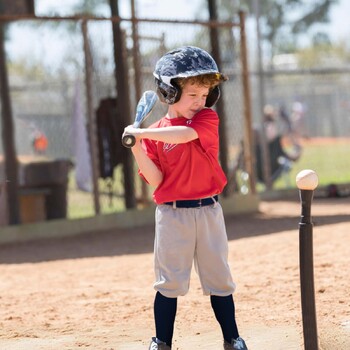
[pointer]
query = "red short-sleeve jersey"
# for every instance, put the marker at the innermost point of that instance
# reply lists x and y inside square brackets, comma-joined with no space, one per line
[190,170]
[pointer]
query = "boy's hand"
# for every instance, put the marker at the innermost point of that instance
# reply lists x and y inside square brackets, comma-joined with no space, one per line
[130,130]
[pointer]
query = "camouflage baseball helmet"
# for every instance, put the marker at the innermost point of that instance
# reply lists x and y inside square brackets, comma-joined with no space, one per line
[184,62]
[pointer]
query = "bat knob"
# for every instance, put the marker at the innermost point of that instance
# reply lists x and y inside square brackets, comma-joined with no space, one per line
[128,141]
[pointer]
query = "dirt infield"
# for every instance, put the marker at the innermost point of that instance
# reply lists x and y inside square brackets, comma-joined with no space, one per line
[95,291]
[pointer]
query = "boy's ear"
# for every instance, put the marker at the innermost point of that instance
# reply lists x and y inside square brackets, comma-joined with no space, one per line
[213,97]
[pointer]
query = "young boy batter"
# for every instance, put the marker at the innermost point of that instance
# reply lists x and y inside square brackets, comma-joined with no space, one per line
[178,156]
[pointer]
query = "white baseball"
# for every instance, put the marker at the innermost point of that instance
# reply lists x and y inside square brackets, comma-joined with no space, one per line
[307,180]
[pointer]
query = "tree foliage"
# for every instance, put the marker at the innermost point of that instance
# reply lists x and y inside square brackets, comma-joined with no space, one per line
[323,54]
[317,13]
[282,21]
[90,6]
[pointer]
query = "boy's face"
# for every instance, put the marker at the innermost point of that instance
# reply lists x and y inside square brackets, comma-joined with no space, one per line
[193,98]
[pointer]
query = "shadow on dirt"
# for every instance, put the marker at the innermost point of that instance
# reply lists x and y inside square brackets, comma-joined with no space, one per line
[140,240]
[250,226]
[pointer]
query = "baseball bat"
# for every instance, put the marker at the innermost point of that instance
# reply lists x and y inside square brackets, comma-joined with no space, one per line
[143,110]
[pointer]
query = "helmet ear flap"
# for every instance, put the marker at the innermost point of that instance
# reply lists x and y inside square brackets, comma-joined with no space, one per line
[172,94]
[213,97]
[168,94]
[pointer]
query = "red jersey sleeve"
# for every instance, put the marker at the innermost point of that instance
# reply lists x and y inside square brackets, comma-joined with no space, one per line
[206,124]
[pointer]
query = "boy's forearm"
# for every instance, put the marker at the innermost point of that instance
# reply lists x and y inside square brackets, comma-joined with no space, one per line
[149,170]
[171,134]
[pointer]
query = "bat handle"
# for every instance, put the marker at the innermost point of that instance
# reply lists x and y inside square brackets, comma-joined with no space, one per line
[128,141]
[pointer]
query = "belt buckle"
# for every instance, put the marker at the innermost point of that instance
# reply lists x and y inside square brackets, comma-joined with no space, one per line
[199,203]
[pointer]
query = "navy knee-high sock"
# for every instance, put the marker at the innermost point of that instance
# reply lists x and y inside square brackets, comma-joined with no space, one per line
[224,309]
[164,316]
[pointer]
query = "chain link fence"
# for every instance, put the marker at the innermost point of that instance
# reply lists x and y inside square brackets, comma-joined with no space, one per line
[323,95]
[312,106]
[50,97]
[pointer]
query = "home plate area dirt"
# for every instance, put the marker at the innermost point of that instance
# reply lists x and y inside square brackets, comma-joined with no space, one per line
[94,291]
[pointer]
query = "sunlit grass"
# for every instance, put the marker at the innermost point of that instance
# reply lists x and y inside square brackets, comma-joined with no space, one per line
[111,198]
[330,159]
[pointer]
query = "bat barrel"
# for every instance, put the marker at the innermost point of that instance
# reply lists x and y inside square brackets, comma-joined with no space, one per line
[307,272]
[143,110]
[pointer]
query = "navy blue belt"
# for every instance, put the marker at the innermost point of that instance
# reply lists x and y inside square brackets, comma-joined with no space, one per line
[194,203]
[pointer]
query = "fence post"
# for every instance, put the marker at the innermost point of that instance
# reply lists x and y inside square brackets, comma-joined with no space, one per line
[8,135]
[220,106]
[123,98]
[137,79]
[91,119]
[249,159]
